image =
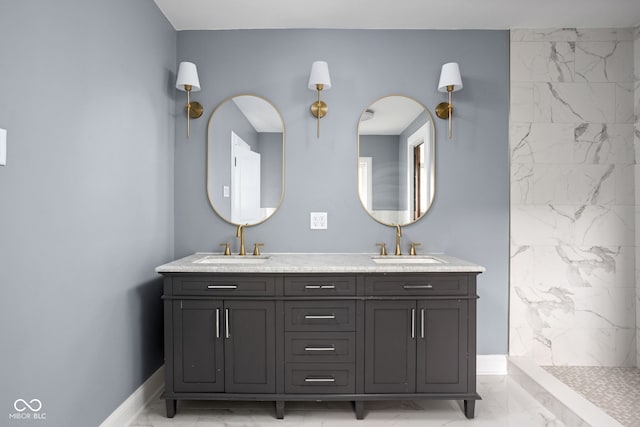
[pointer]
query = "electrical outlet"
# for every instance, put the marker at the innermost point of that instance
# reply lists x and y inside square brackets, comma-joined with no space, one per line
[318,220]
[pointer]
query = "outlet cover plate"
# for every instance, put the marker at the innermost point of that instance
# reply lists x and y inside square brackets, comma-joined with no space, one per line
[318,220]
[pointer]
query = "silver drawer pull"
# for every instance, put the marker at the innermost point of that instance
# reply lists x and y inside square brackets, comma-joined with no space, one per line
[319,380]
[329,348]
[427,286]
[320,316]
[222,287]
[319,286]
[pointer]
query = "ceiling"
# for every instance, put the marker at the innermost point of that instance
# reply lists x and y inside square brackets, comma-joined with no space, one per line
[400,14]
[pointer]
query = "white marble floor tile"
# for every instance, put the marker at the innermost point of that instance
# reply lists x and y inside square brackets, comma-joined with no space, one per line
[504,403]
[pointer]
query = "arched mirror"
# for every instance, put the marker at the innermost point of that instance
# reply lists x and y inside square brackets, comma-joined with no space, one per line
[245,159]
[396,160]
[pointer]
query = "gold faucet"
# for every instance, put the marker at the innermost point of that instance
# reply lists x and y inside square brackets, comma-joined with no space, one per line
[398,235]
[240,234]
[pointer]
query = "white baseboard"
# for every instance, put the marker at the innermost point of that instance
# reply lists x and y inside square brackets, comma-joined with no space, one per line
[130,408]
[491,364]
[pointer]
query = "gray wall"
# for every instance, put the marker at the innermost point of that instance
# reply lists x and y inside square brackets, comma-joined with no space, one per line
[86,202]
[469,216]
[385,177]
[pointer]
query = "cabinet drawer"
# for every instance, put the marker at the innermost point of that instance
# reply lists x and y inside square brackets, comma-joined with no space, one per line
[319,378]
[320,315]
[225,286]
[417,285]
[320,347]
[319,285]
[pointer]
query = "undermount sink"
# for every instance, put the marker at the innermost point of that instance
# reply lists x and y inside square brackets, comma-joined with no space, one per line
[231,259]
[409,259]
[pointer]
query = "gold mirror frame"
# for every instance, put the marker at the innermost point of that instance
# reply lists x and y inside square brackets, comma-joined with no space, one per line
[429,192]
[211,154]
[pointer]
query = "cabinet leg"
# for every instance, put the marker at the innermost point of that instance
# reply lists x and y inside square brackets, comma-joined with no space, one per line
[359,408]
[171,405]
[469,408]
[280,409]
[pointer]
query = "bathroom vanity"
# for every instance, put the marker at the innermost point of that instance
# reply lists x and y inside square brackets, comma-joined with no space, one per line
[351,327]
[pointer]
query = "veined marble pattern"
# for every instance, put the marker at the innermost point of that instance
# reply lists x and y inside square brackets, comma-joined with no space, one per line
[504,403]
[573,196]
[572,34]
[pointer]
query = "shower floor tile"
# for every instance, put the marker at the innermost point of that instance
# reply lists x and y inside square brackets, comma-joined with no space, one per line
[615,390]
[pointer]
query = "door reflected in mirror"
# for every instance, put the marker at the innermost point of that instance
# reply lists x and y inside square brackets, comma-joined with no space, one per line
[245,159]
[396,160]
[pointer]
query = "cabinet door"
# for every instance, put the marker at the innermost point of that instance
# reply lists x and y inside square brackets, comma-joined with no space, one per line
[250,351]
[198,350]
[390,347]
[442,352]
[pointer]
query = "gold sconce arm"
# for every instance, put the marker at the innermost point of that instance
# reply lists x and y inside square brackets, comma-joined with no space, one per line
[444,110]
[194,109]
[319,108]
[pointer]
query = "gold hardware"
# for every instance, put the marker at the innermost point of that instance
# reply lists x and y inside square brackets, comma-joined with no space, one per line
[444,110]
[383,248]
[256,248]
[194,109]
[319,108]
[227,249]
[412,250]
[240,234]
[398,235]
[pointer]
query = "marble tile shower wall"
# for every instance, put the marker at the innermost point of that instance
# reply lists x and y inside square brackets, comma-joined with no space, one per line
[573,204]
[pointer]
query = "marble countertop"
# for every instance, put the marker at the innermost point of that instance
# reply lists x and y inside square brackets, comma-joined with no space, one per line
[318,263]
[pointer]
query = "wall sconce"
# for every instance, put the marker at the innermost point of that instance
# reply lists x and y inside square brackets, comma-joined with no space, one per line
[450,81]
[318,80]
[188,81]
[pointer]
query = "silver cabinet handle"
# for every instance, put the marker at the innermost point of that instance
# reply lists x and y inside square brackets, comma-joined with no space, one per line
[328,348]
[319,286]
[320,316]
[422,323]
[427,286]
[222,287]
[319,380]
[413,323]
[217,323]
[226,323]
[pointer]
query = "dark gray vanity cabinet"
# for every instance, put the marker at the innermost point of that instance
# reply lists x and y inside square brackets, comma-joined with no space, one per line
[390,347]
[224,346]
[416,346]
[291,336]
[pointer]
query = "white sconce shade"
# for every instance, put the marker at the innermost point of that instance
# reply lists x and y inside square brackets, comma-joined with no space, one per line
[319,75]
[188,76]
[450,76]
[319,80]
[188,81]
